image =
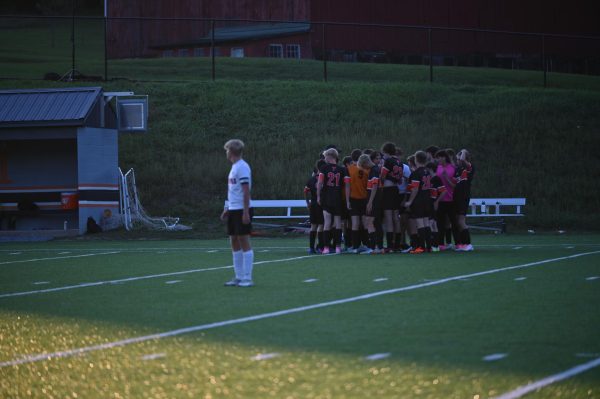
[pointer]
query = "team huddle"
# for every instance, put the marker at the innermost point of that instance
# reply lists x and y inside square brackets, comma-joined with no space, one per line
[373,194]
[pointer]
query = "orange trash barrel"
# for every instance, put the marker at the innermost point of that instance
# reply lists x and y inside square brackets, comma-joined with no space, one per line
[69,200]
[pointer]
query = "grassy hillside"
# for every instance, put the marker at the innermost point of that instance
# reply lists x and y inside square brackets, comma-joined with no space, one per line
[527,141]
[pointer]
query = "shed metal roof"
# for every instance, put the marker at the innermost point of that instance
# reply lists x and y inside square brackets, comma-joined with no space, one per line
[246,32]
[47,107]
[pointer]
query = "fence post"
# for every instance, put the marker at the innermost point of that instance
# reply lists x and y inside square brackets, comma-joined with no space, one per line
[430,55]
[544,58]
[212,47]
[324,56]
[72,74]
[105,47]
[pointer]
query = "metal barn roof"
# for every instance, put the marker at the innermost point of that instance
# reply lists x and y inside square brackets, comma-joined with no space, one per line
[246,32]
[47,107]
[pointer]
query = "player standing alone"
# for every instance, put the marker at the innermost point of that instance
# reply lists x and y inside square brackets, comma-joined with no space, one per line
[239,215]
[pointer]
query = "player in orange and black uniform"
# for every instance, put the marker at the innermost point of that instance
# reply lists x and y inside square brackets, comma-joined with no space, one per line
[462,196]
[437,192]
[391,176]
[359,179]
[314,210]
[373,207]
[419,201]
[332,177]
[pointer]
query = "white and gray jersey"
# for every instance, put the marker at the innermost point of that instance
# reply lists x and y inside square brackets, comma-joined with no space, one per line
[403,186]
[240,174]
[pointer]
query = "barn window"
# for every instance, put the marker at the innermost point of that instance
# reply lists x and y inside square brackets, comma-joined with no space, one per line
[275,50]
[183,52]
[237,52]
[198,52]
[292,51]
[167,53]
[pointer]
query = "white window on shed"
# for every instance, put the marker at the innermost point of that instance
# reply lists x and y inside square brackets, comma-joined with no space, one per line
[275,50]
[237,52]
[292,51]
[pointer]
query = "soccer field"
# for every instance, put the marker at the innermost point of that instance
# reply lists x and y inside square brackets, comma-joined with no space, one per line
[152,319]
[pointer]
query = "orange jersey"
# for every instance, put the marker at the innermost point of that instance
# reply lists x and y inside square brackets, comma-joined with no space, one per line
[358,182]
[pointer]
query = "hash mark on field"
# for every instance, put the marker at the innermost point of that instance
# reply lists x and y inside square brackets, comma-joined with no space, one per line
[265,356]
[15,253]
[494,356]
[212,251]
[64,253]
[154,356]
[592,278]
[310,280]
[265,250]
[378,356]
[41,282]
[520,278]
[173,282]
[517,247]
[570,247]
[380,279]
[161,252]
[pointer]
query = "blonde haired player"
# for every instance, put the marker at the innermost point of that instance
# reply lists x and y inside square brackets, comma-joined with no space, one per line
[239,214]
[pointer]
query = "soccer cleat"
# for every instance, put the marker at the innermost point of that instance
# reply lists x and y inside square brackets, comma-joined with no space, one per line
[468,248]
[407,250]
[338,250]
[246,283]
[435,249]
[377,251]
[353,251]
[233,282]
[459,248]
[325,251]
[417,250]
[387,250]
[312,251]
[367,251]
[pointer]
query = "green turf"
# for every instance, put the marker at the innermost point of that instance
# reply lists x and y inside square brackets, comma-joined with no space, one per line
[546,321]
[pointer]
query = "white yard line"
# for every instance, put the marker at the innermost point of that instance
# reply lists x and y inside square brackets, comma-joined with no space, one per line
[534,386]
[263,316]
[129,279]
[58,257]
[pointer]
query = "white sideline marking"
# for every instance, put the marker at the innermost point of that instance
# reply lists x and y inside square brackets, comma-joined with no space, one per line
[534,386]
[310,280]
[58,257]
[517,247]
[494,356]
[173,282]
[154,356]
[264,356]
[378,356]
[380,279]
[521,279]
[284,312]
[15,253]
[41,282]
[126,280]
[152,249]
[592,278]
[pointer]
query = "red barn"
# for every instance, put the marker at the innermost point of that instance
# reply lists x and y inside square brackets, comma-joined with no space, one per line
[159,34]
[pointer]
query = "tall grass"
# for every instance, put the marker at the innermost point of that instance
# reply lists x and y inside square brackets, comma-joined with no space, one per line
[527,141]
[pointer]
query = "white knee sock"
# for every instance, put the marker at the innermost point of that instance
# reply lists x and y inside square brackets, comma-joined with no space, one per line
[238,264]
[248,260]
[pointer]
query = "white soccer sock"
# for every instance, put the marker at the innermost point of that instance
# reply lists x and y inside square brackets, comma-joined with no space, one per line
[238,264]
[248,260]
